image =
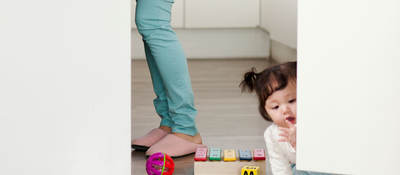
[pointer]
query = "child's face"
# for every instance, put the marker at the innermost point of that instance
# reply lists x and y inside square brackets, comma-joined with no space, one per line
[281,105]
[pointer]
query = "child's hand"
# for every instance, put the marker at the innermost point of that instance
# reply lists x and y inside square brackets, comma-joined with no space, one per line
[288,134]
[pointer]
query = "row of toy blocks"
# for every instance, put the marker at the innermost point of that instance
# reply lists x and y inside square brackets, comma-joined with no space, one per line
[229,154]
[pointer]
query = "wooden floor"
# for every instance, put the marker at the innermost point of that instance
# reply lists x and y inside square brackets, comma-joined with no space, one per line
[226,117]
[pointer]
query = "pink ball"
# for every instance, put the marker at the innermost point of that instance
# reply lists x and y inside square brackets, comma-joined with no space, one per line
[159,164]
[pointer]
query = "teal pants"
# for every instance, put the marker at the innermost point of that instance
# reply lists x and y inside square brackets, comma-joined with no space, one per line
[297,172]
[168,66]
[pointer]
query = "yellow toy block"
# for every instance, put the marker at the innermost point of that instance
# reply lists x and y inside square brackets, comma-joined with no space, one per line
[229,155]
[250,170]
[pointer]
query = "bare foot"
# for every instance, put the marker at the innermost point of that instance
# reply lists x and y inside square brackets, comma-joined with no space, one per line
[166,129]
[194,139]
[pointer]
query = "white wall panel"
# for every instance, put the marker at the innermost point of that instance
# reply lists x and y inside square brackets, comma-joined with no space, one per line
[221,13]
[349,86]
[279,18]
[65,87]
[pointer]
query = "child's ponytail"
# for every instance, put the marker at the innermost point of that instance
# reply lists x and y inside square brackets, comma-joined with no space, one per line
[266,82]
[249,80]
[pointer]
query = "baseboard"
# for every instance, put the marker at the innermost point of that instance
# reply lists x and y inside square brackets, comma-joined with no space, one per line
[215,43]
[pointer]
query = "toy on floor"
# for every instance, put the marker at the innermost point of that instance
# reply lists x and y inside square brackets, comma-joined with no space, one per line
[217,161]
[201,154]
[229,155]
[159,164]
[250,170]
[245,154]
[259,154]
[215,154]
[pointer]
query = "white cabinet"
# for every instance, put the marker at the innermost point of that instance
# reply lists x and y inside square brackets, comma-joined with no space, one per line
[176,16]
[221,13]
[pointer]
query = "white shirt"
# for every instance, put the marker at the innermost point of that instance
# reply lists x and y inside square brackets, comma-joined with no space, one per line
[280,154]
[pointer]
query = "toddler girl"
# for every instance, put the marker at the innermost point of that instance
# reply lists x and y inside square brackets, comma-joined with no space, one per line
[276,91]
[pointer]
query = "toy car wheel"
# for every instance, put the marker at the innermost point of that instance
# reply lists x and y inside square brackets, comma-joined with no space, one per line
[251,173]
[245,173]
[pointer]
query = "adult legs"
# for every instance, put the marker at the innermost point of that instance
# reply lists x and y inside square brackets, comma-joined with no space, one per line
[168,68]
[160,102]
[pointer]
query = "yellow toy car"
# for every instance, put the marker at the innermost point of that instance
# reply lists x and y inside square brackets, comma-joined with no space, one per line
[250,170]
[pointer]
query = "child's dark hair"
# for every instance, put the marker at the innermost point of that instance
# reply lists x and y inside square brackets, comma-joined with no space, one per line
[268,81]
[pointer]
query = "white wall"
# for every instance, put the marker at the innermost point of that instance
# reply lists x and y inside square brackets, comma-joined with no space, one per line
[349,86]
[279,18]
[65,87]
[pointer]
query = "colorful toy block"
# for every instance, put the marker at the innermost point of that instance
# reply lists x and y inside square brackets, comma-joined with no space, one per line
[245,154]
[215,154]
[229,155]
[201,154]
[259,154]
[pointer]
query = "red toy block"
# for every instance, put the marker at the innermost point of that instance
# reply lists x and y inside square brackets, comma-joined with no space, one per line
[201,154]
[259,154]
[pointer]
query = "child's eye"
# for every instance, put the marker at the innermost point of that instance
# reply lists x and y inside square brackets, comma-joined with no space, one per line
[292,101]
[275,107]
